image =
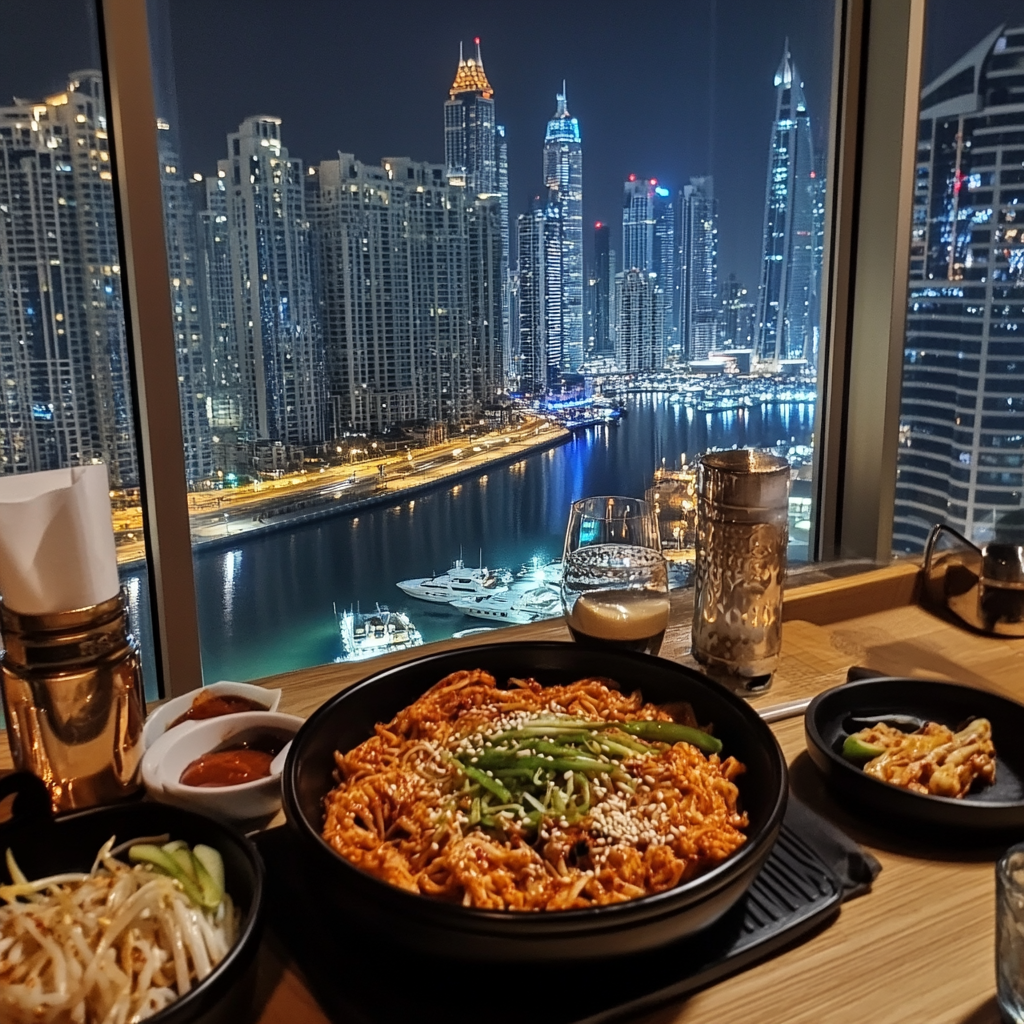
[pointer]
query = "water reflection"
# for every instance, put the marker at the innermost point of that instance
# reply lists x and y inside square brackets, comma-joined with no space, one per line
[266,605]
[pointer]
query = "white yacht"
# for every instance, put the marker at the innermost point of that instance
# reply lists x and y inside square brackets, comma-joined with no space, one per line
[516,606]
[367,634]
[458,582]
[538,573]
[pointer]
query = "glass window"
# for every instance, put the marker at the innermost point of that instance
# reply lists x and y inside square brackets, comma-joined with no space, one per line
[962,411]
[64,374]
[414,323]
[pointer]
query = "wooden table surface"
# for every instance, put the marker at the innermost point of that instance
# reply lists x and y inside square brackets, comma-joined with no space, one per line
[917,949]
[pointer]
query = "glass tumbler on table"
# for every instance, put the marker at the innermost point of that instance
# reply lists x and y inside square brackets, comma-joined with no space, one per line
[1010,935]
[615,578]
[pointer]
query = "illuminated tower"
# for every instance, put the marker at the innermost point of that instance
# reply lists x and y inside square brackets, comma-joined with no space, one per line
[470,130]
[961,454]
[600,286]
[563,176]
[476,155]
[65,393]
[788,294]
[278,334]
[699,299]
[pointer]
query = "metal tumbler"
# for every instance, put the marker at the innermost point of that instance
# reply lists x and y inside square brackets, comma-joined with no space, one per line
[742,532]
[74,701]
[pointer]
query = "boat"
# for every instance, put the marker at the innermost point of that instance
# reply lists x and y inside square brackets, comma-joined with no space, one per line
[516,606]
[366,635]
[458,582]
[540,573]
[461,634]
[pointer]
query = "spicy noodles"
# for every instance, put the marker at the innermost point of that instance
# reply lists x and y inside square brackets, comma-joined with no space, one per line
[524,797]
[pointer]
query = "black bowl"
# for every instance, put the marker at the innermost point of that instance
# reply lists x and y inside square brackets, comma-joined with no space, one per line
[442,928]
[44,845]
[985,809]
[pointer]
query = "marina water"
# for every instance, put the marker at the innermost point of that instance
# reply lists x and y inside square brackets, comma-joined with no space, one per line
[266,605]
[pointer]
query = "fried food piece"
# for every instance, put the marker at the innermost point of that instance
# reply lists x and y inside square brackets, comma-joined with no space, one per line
[934,760]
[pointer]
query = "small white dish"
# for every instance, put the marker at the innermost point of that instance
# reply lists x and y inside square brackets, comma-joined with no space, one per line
[176,749]
[157,722]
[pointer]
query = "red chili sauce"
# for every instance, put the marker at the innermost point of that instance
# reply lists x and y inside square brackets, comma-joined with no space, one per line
[231,766]
[213,705]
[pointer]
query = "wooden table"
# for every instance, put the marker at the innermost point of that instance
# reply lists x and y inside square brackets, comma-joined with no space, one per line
[918,949]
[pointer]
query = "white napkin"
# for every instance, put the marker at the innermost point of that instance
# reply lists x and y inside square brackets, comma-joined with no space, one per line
[56,540]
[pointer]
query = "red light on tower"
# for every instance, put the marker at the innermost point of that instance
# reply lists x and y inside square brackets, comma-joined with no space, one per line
[632,177]
[654,181]
[598,225]
[476,40]
[813,175]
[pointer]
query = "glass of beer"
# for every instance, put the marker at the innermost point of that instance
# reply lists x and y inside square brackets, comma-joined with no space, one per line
[615,578]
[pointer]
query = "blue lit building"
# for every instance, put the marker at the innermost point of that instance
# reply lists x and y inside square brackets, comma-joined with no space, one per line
[961,455]
[698,259]
[563,176]
[539,306]
[787,312]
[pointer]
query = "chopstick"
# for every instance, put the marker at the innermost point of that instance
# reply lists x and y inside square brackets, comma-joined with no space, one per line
[792,708]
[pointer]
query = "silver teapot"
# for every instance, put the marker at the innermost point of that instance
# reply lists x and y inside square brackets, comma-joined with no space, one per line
[984,587]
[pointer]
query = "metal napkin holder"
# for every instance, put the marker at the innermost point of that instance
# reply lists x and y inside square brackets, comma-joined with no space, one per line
[981,586]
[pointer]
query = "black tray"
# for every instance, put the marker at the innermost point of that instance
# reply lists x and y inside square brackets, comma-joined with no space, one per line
[357,978]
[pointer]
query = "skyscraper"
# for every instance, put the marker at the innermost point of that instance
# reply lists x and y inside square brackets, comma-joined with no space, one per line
[640,326]
[278,336]
[476,154]
[649,240]
[409,268]
[541,306]
[563,176]
[787,310]
[736,318]
[638,223]
[698,255]
[600,288]
[185,270]
[64,381]
[961,456]
[470,128]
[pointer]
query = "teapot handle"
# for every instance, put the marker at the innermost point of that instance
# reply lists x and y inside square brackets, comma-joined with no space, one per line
[933,539]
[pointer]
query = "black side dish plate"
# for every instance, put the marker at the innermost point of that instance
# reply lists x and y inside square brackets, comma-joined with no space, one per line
[793,893]
[986,809]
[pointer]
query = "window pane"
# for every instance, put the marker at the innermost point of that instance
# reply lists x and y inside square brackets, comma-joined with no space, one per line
[961,455]
[66,389]
[414,324]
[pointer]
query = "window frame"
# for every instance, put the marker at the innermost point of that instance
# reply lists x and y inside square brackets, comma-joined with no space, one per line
[876,81]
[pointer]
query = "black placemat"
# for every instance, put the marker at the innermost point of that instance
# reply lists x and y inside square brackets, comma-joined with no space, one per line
[355,976]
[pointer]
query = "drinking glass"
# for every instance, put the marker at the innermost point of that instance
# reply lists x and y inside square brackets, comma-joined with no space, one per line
[615,578]
[1010,935]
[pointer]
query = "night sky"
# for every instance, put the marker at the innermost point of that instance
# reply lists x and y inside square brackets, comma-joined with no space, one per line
[669,90]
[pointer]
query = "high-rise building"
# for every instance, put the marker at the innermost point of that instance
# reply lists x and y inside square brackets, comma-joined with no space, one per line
[185,270]
[278,336]
[787,302]
[470,128]
[736,316]
[649,240]
[476,155]
[64,379]
[540,296]
[409,270]
[563,177]
[600,289]
[638,223]
[961,456]
[221,353]
[698,257]
[640,321]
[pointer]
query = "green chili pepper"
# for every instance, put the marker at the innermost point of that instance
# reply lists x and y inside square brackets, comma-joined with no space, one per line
[672,732]
[856,749]
[491,785]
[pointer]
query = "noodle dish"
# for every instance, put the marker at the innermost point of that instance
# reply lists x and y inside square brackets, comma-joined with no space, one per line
[512,796]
